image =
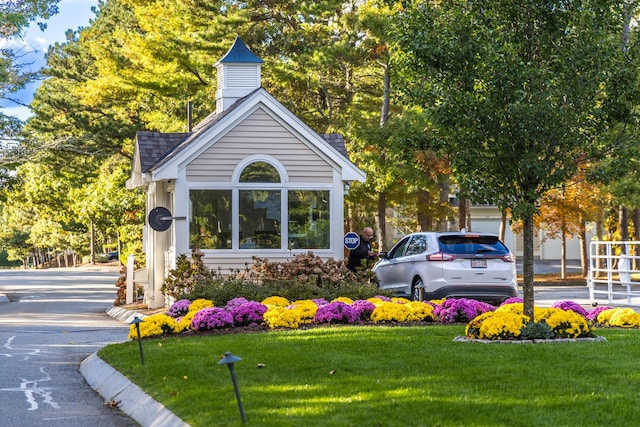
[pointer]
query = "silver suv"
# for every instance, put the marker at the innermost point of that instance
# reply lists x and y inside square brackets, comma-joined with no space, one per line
[434,265]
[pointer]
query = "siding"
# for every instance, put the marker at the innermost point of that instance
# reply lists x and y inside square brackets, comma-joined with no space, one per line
[259,134]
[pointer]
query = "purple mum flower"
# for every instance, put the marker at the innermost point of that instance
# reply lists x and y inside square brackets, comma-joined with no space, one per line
[460,310]
[179,308]
[570,305]
[235,302]
[383,298]
[211,318]
[249,313]
[364,308]
[593,314]
[336,312]
[320,301]
[512,300]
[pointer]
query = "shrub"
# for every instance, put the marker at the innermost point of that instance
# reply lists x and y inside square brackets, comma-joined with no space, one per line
[592,316]
[336,312]
[248,313]
[182,279]
[179,308]
[364,308]
[154,325]
[211,318]
[199,304]
[282,317]
[305,276]
[537,331]
[420,311]
[276,300]
[391,312]
[566,324]
[624,317]
[497,325]
[460,310]
[570,305]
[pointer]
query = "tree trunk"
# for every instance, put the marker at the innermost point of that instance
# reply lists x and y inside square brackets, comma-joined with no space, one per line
[584,259]
[527,267]
[119,248]
[425,219]
[462,213]
[600,237]
[443,199]
[382,225]
[92,238]
[384,116]
[502,232]
[623,223]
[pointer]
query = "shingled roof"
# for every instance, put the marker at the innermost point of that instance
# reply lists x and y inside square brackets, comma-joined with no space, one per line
[153,146]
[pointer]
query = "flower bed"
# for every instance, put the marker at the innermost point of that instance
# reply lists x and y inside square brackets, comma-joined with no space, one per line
[565,320]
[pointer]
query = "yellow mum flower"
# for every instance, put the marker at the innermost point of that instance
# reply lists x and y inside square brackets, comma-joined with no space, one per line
[199,304]
[345,300]
[391,312]
[420,311]
[276,300]
[155,325]
[625,317]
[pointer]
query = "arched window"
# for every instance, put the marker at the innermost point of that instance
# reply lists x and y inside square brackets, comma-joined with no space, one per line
[259,172]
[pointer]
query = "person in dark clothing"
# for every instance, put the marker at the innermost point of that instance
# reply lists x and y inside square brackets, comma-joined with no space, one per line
[360,256]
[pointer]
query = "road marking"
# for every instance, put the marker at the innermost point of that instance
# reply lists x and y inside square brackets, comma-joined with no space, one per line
[32,390]
[28,351]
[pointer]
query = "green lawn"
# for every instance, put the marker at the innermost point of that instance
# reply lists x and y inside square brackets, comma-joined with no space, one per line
[389,376]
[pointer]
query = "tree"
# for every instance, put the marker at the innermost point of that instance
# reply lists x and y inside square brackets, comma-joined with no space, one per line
[521,93]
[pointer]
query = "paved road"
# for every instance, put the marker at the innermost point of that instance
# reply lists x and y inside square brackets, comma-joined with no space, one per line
[56,319]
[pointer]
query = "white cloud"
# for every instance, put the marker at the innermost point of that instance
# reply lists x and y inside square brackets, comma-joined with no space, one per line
[35,43]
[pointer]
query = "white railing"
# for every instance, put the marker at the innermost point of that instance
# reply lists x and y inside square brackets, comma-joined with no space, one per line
[612,266]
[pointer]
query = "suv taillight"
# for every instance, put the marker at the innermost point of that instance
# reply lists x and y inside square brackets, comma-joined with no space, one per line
[509,258]
[439,256]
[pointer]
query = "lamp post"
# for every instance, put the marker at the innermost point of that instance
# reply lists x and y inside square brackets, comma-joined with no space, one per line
[136,321]
[229,359]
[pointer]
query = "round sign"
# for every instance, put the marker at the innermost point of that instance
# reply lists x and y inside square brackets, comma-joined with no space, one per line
[160,219]
[351,240]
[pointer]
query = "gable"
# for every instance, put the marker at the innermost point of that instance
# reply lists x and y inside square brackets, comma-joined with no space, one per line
[219,125]
[259,133]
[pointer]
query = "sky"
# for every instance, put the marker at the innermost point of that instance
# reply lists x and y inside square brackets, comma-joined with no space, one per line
[34,44]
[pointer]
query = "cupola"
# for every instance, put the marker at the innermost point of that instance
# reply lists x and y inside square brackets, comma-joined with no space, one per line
[238,74]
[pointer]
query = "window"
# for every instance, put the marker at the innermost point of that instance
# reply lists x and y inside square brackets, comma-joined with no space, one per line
[399,249]
[309,220]
[260,217]
[260,172]
[210,219]
[250,216]
[417,246]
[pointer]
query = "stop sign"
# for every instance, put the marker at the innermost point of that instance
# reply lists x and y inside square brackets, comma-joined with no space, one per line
[351,240]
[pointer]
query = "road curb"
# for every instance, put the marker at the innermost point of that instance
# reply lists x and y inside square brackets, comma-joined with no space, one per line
[116,389]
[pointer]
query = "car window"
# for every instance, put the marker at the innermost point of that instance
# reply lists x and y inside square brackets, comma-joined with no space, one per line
[417,245]
[398,250]
[471,244]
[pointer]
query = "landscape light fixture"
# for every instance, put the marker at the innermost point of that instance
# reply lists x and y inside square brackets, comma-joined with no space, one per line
[136,321]
[229,359]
